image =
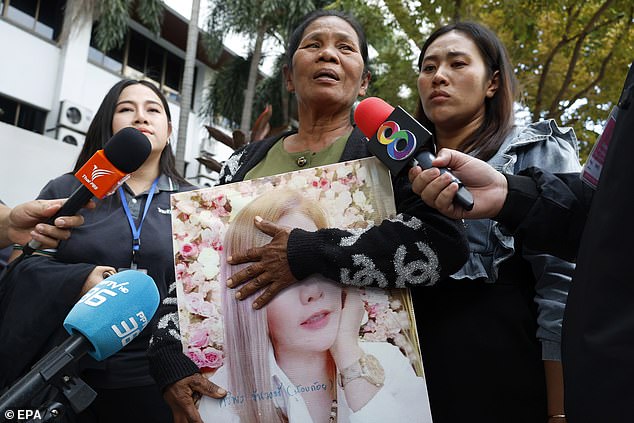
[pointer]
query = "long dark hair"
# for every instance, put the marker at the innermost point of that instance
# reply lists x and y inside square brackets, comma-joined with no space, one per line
[296,36]
[100,130]
[499,116]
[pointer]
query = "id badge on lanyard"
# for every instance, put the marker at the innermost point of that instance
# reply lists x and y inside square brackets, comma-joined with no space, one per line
[136,231]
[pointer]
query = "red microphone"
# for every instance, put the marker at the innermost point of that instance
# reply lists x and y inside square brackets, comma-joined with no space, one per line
[398,140]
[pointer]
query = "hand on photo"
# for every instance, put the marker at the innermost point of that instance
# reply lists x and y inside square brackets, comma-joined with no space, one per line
[270,271]
[183,395]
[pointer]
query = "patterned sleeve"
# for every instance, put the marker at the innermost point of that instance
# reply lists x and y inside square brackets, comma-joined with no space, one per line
[231,166]
[418,247]
[168,364]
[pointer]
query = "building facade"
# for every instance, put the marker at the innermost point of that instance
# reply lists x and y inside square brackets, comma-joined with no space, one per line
[49,91]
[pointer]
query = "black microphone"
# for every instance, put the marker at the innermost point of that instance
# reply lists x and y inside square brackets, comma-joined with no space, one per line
[396,138]
[106,318]
[100,176]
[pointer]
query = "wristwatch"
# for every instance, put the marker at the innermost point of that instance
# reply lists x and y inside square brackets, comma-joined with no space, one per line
[367,367]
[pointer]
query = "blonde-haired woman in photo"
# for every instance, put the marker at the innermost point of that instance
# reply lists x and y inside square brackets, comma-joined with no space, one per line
[294,360]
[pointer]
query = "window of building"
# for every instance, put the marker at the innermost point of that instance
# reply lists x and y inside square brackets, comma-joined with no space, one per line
[44,17]
[143,58]
[22,115]
[112,61]
[136,51]
[173,71]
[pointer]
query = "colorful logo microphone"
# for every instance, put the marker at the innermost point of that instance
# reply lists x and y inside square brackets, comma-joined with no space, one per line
[390,134]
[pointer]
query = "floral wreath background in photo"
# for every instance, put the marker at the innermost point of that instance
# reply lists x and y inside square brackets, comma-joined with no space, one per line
[354,194]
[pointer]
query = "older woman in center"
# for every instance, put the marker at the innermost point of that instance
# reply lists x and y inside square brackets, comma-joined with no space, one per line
[327,71]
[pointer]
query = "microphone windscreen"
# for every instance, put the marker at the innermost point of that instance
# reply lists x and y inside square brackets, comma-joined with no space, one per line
[370,113]
[114,312]
[128,149]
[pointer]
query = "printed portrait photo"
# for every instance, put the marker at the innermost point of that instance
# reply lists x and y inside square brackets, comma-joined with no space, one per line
[320,350]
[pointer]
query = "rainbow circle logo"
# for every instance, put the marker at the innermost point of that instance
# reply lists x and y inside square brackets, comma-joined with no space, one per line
[391,140]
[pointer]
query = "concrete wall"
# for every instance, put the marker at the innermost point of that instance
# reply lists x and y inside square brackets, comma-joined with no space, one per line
[29,66]
[28,161]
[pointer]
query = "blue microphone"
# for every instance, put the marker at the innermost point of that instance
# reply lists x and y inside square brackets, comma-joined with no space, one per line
[114,312]
[106,319]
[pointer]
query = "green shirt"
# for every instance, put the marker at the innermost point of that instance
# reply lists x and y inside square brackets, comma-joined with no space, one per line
[278,160]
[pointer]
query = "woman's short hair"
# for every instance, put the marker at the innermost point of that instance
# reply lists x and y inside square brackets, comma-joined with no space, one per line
[298,32]
[499,113]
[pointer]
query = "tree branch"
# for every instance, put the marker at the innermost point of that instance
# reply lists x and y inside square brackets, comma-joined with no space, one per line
[604,64]
[546,68]
[575,55]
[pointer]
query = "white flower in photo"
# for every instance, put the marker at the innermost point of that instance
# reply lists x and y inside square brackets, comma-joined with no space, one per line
[343,170]
[180,229]
[359,198]
[403,319]
[375,296]
[337,187]
[187,206]
[210,261]
[298,182]
[344,199]
[362,174]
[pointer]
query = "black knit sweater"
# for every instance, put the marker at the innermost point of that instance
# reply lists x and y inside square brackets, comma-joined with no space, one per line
[416,248]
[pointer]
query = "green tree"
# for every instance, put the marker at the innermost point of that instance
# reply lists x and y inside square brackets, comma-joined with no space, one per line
[224,91]
[571,56]
[112,19]
[256,19]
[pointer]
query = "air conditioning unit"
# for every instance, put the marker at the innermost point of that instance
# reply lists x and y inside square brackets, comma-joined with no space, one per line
[70,137]
[75,117]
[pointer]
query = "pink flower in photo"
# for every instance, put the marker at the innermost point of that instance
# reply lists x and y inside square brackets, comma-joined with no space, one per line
[199,336]
[403,319]
[181,269]
[209,357]
[215,200]
[396,304]
[213,357]
[213,235]
[189,250]
[373,310]
[196,304]
[369,327]
[188,283]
